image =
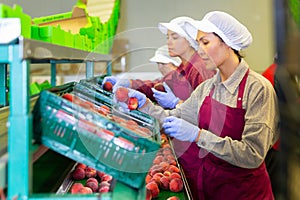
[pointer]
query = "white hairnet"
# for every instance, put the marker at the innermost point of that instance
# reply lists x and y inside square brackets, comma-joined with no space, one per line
[232,32]
[162,56]
[177,25]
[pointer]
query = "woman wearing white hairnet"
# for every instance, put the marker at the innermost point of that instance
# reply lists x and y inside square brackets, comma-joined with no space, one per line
[232,117]
[165,62]
[180,83]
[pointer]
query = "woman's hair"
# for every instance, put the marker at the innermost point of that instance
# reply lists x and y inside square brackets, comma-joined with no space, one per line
[236,52]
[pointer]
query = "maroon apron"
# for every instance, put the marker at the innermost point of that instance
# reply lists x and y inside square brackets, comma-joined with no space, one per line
[218,179]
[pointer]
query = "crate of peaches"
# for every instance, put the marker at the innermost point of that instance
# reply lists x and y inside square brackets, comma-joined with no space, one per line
[96,134]
[165,179]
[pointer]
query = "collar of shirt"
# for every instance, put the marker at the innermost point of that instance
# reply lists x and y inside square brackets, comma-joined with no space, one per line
[184,69]
[233,82]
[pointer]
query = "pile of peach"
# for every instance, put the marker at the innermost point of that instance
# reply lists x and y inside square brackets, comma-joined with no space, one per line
[106,111]
[91,180]
[164,174]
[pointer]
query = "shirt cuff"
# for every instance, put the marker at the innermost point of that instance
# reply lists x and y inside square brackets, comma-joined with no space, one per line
[207,139]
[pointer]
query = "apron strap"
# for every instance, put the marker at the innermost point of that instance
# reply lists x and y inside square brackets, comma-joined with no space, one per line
[239,101]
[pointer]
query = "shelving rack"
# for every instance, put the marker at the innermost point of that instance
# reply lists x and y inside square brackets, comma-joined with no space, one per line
[19,54]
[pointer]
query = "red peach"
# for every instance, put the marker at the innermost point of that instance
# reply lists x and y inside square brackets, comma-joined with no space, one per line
[173,198]
[108,86]
[174,175]
[153,188]
[85,190]
[68,96]
[92,185]
[92,179]
[156,177]
[164,165]
[103,189]
[148,178]
[76,187]
[104,183]
[78,174]
[90,172]
[158,159]
[173,168]
[80,165]
[133,103]
[164,183]
[100,174]
[106,177]
[160,87]
[122,94]
[176,185]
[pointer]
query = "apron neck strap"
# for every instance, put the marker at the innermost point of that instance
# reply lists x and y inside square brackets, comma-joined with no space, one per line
[241,91]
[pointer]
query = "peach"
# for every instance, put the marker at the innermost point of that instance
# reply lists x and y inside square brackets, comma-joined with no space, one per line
[85,190]
[104,183]
[108,86]
[80,165]
[176,185]
[100,174]
[153,188]
[164,183]
[164,165]
[68,96]
[133,103]
[103,189]
[174,175]
[90,172]
[78,174]
[148,195]
[148,178]
[173,168]
[156,177]
[158,159]
[92,179]
[167,173]
[160,87]
[76,187]
[173,198]
[92,185]
[122,94]
[106,177]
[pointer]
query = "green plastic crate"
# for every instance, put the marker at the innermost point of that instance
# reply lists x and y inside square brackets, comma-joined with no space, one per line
[74,131]
[17,12]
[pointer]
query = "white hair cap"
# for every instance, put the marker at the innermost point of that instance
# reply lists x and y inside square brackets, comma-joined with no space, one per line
[232,32]
[162,56]
[177,25]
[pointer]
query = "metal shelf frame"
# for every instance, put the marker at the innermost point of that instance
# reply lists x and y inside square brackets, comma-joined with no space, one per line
[19,54]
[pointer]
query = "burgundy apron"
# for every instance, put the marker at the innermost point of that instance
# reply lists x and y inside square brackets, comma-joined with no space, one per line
[218,179]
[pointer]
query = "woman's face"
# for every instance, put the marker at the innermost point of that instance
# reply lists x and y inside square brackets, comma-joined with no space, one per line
[212,49]
[177,44]
[165,68]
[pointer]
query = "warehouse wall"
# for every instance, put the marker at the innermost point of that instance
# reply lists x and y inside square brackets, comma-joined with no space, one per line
[139,19]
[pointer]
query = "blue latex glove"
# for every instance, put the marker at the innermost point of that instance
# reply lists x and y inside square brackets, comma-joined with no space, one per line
[121,82]
[132,93]
[111,79]
[165,99]
[180,129]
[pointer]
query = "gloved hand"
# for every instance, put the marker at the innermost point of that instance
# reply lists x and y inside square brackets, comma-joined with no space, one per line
[111,79]
[165,99]
[131,93]
[121,82]
[180,129]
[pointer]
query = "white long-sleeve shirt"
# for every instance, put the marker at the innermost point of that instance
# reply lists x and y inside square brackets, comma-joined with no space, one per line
[261,118]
